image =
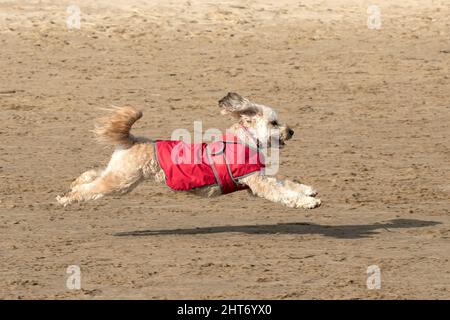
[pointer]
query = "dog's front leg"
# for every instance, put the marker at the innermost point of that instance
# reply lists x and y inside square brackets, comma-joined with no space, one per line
[287,193]
[302,188]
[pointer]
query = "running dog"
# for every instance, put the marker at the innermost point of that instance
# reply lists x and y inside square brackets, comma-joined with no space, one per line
[233,162]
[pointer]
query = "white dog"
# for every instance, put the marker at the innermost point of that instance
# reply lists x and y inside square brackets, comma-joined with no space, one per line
[212,174]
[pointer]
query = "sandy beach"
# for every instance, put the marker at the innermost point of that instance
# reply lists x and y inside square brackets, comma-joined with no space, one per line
[371,112]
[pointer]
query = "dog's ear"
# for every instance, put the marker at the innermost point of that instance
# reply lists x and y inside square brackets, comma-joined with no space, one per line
[237,106]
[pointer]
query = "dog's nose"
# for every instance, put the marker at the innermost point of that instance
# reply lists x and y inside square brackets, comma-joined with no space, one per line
[291,132]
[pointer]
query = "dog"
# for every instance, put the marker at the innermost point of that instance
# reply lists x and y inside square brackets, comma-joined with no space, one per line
[137,158]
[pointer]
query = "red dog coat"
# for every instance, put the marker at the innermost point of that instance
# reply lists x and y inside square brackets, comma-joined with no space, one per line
[190,166]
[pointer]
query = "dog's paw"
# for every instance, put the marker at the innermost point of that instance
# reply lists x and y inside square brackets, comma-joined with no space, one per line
[307,190]
[64,201]
[308,203]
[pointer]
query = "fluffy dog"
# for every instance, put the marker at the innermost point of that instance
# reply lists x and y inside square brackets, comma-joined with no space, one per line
[135,158]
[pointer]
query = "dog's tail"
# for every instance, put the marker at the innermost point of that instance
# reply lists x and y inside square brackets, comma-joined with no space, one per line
[115,128]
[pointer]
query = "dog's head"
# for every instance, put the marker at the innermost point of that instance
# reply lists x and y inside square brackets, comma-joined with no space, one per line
[259,120]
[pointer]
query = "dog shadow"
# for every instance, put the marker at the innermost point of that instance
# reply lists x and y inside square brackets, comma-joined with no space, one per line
[340,231]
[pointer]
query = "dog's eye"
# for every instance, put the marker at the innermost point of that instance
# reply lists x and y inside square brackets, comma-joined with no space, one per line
[274,123]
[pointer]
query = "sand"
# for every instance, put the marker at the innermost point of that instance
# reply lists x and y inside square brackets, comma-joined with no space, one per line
[371,113]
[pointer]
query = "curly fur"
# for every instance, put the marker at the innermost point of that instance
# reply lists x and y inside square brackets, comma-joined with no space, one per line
[115,128]
[134,158]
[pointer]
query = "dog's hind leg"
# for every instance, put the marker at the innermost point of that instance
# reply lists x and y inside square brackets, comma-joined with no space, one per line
[132,160]
[108,183]
[86,177]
